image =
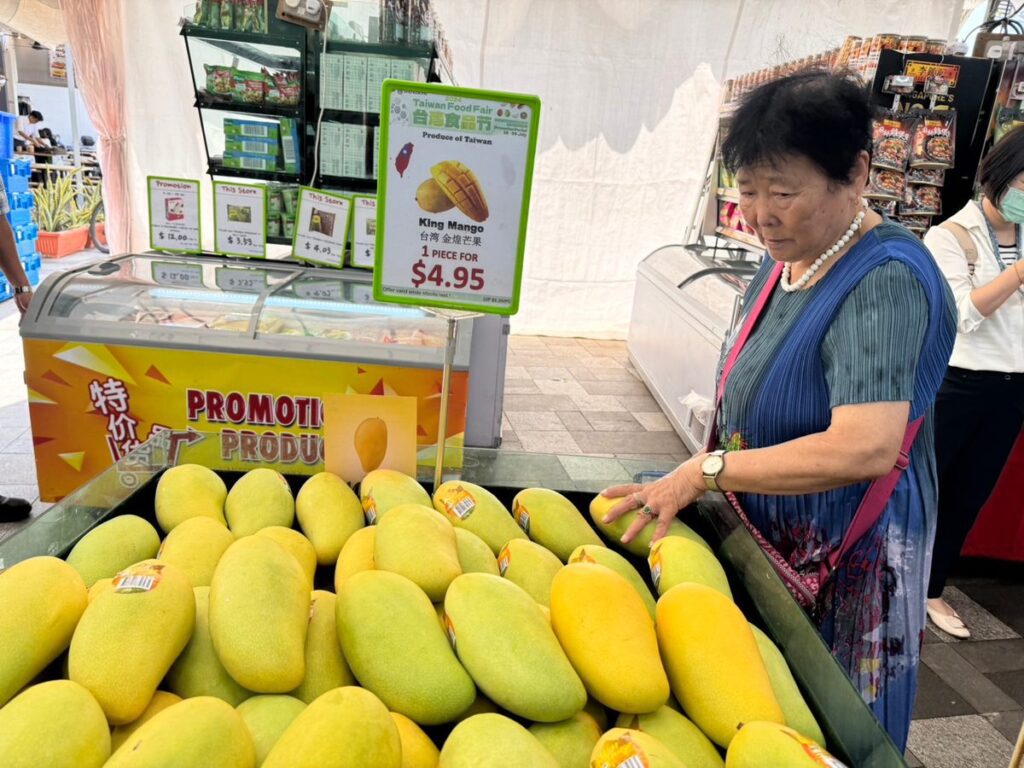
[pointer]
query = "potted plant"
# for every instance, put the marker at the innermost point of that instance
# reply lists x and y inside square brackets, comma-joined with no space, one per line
[62,214]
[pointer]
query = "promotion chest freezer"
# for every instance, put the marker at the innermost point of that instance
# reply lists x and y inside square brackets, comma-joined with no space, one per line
[138,344]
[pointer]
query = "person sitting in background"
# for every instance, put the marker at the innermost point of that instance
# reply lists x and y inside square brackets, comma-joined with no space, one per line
[979,410]
[21,126]
[30,133]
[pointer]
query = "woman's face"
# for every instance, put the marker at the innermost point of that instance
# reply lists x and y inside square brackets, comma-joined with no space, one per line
[796,211]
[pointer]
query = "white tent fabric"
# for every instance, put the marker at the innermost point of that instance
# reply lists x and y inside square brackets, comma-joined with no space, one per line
[40,20]
[630,92]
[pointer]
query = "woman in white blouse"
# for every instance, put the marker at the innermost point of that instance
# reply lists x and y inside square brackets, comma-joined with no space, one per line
[980,407]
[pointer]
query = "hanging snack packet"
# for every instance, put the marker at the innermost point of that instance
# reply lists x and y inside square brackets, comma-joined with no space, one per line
[921,200]
[211,14]
[934,177]
[271,91]
[290,87]
[227,14]
[885,184]
[885,207]
[916,223]
[932,143]
[890,140]
[219,81]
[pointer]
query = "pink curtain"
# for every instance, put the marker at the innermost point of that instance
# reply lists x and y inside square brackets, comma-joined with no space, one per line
[95,35]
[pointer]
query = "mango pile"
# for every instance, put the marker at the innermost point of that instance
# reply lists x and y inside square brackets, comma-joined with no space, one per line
[458,634]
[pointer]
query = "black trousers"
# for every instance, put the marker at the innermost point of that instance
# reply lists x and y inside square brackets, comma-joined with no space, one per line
[978,415]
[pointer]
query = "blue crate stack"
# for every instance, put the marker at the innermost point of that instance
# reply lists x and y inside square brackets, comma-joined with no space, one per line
[15,173]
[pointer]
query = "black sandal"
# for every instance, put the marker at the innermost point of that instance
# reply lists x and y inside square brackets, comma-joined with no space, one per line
[13,510]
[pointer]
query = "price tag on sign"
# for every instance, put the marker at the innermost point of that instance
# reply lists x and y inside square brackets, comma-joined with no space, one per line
[240,218]
[321,227]
[364,231]
[179,275]
[174,215]
[453,196]
[241,280]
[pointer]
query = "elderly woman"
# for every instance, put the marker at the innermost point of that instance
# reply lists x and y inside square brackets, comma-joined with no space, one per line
[851,345]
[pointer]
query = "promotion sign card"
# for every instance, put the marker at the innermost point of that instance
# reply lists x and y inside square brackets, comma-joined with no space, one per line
[321,227]
[364,231]
[453,196]
[240,219]
[367,432]
[174,215]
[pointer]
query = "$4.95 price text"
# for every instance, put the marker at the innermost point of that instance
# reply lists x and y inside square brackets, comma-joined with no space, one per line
[461,277]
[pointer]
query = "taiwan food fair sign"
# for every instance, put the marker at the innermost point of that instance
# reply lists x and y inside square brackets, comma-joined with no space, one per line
[453,196]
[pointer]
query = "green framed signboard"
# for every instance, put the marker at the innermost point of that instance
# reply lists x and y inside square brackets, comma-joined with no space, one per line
[240,219]
[453,195]
[174,220]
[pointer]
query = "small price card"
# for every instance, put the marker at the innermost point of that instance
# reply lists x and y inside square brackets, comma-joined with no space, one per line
[177,274]
[240,219]
[174,215]
[241,280]
[329,290]
[321,227]
[364,231]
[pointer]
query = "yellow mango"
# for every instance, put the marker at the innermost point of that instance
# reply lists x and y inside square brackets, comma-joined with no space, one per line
[798,714]
[259,614]
[597,710]
[328,512]
[99,588]
[42,599]
[571,741]
[371,442]
[198,671]
[194,733]
[474,554]
[490,622]
[622,747]
[267,717]
[609,637]
[259,499]
[418,751]
[379,614]
[477,510]
[189,490]
[641,545]
[675,731]
[161,700]
[418,543]
[530,566]
[118,664]
[612,559]
[326,667]
[57,725]
[196,545]
[677,560]
[356,556]
[713,662]
[768,745]
[346,726]
[493,741]
[480,705]
[296,545]
[113,546]
[382,489]
[552,521]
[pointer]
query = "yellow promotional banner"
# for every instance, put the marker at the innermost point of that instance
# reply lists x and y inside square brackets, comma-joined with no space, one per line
[90,404]
[364,433]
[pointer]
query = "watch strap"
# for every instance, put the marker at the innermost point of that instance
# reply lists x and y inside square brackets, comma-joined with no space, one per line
[711,480]
[22,289]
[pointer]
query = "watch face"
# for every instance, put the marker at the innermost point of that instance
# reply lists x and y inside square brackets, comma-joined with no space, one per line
[712,465]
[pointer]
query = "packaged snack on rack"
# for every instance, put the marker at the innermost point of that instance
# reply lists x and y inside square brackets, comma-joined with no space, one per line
[921,200]
[916,223]
[248,86]
[890,140]
[933,139]
[885,207]
[934,177]
[219,81]
[227,14]
[885,184]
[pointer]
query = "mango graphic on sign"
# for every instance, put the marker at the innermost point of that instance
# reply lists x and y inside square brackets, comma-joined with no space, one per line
[453,184]
[371,442]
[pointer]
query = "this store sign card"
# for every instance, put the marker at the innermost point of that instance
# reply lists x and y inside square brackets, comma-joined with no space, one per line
[456,166]
[364,231]
[321,227]
[240,219]
[367,432]
[174,220]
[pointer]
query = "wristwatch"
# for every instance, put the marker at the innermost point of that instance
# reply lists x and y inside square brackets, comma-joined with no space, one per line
[22,289]
[711,468]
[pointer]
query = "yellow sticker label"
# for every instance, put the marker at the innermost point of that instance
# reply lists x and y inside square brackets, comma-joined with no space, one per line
[521,516]
[458,503]
[138,578]
[654,561]
[449,629]
[504,560]
[813,750]
[621,752]
[370,509]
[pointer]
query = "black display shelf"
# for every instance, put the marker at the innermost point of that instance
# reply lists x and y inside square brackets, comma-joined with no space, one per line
[346,116]
[247,45]
[350,183]
[215,169]
[279,240]
[395,50]
[205,101]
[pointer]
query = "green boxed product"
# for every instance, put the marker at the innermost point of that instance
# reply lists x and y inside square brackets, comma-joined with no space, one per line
[290,145]
[273,226]
[275,203]
[246,146]
[288,225]
[246,162]
[255,129]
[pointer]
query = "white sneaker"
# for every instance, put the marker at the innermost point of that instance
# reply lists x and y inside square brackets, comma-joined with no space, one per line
[951,624]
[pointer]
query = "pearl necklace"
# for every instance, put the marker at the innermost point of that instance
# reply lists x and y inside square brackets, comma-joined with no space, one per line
[839,245]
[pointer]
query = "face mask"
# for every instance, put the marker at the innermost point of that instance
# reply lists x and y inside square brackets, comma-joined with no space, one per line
[1012,206]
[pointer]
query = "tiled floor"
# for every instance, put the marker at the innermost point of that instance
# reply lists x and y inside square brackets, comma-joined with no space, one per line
[575,396]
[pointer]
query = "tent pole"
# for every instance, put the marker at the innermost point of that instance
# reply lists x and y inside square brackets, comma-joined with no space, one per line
[73,107]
